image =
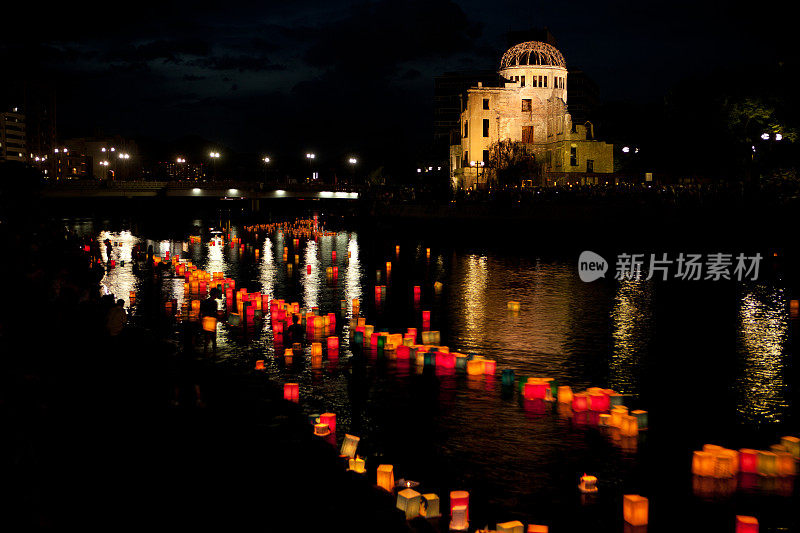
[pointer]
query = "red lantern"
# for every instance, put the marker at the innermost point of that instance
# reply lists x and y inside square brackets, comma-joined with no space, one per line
[330,419]
[308,269]
[277,328]
[333,255]
[403,352]
[746,524]
[260,364]
[459,497]
[335,272]
[426,317]
[748,461]
[412,333]
[535,390]
[580,402]
[599,401]
[291,391]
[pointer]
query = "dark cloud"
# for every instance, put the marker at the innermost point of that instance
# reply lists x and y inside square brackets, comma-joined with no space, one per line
[242,63]
[169,50]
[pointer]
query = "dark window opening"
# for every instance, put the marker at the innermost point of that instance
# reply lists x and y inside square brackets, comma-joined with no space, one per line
[540,82]
[486,127]
[522,82]
[589,165]
[573,156]
[466,128]
[486,157]
[526,104]
[527,134]
[486,103]
[545,81]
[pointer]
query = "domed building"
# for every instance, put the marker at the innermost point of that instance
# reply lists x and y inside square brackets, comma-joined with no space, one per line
[526,118]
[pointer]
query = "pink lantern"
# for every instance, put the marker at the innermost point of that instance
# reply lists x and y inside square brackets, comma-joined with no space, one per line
[580,402]
[489,367]
[457,498]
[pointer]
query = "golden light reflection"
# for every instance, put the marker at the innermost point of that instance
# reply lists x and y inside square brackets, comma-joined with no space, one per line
[119,280]
[352,278]
[631,317]
[311,281]
[763,332]
[474,299]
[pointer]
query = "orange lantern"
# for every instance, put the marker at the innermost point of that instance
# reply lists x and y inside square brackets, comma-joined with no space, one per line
[316,348]
[260,364]
[634,509]
[386,477]
[209,323]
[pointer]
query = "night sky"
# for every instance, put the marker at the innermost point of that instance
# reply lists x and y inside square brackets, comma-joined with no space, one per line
[346,77]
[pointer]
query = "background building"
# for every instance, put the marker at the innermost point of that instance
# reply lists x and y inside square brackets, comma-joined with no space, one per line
[112,158]
[13,146]
[525,120]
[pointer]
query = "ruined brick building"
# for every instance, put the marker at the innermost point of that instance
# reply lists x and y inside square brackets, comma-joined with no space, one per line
[527,113]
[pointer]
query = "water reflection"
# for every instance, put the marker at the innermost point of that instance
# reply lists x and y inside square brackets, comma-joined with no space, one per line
[631,319]
[763,333]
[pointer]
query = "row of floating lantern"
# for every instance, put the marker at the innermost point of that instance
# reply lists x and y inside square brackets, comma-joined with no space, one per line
[716,461]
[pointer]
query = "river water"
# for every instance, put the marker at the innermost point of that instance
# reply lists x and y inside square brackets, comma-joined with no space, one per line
[711,362]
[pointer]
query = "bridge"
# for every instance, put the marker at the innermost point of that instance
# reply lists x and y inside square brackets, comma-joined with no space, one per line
[220,190]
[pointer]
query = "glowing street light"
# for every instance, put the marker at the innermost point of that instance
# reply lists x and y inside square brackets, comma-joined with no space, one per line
[352,160]
[266,160]
[180,160]
[765,136]
[778,136]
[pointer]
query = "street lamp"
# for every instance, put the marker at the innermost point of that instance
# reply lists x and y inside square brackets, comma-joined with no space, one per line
[266,161]
[479,165]
[311,156]
[353,161]
[214,156]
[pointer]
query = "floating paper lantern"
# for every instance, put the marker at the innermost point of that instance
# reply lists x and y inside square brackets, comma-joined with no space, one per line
[616,415]
[536,389]
[291,391]
[349,445]
[437,286]
[604,420]
[513,306]
[507,377]
[786,464]
[260,364]
[459,498]
[475,367]
[634,509]
[458,521]
[580,402]
[357,465]
[629,426]
[333,255]
[333,345]
[316,348]
[386,477]
[461,362]
[641,418]
[702,463]
[598,401]
[408,501]
[397,249]
[428,253]
[330,419]
[746,524]
[426,317]
[430,506]
[565,394]
[403,352]
[537,528]
[748,461]
[510,527]
[321,430]
[792,445]
[489,367]
[767,463]
[588,484]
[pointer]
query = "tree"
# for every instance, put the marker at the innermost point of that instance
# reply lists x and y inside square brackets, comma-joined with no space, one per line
[512,162]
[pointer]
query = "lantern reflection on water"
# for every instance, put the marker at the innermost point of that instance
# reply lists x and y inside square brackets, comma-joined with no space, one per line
[458,521]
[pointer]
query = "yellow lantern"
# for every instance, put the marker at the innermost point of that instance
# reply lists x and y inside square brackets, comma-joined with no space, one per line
[537,528]
[321,430]
[513,306]
[767,463]
[792,445]
[357,465]
[386,477]
[316,349]
[408,501]
[316,361]
[510,527]
[634,509]
[430,506]
[349,445]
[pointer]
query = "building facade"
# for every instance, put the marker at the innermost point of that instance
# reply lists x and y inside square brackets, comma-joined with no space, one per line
[113,159]
[529,111]
[13,146]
